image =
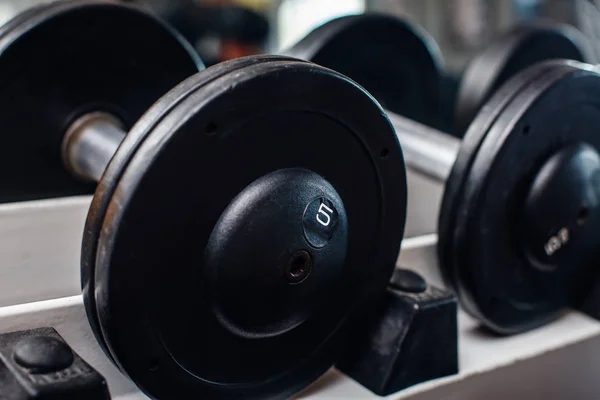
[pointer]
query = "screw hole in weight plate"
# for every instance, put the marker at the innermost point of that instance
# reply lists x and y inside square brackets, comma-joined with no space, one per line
[385,152]
[298,266]
[526,130]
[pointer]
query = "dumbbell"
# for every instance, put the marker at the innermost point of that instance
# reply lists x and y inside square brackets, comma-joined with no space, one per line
[401,65]
[237,230]
[42,94]
[518,216]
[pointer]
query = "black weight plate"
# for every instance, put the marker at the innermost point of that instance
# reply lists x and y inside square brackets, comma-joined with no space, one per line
[497,280]
[395,60]
[451,201]
[63,59]
[149,293]
[114,170]
[519,48]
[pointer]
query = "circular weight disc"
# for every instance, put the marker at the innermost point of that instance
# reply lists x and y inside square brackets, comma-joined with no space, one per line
[52,76]
[272,115]
[114,170]
[519,48]
[395,60]
[493,278]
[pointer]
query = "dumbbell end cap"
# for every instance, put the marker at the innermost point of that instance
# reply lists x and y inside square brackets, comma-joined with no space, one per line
[560,215]
[275,252]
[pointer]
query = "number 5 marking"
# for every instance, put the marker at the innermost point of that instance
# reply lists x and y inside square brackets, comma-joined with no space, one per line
[323,211]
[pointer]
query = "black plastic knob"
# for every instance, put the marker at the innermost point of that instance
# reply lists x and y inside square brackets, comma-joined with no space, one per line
[408,281]
[43,354]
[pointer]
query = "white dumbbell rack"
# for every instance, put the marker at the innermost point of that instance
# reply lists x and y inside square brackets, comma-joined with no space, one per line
[39,286]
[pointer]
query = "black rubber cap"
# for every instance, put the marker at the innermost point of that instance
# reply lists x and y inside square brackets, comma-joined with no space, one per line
[42,354]
[560,215]
[276,252]
[408,281]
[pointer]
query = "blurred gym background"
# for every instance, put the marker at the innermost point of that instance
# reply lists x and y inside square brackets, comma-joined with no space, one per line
[223,29]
